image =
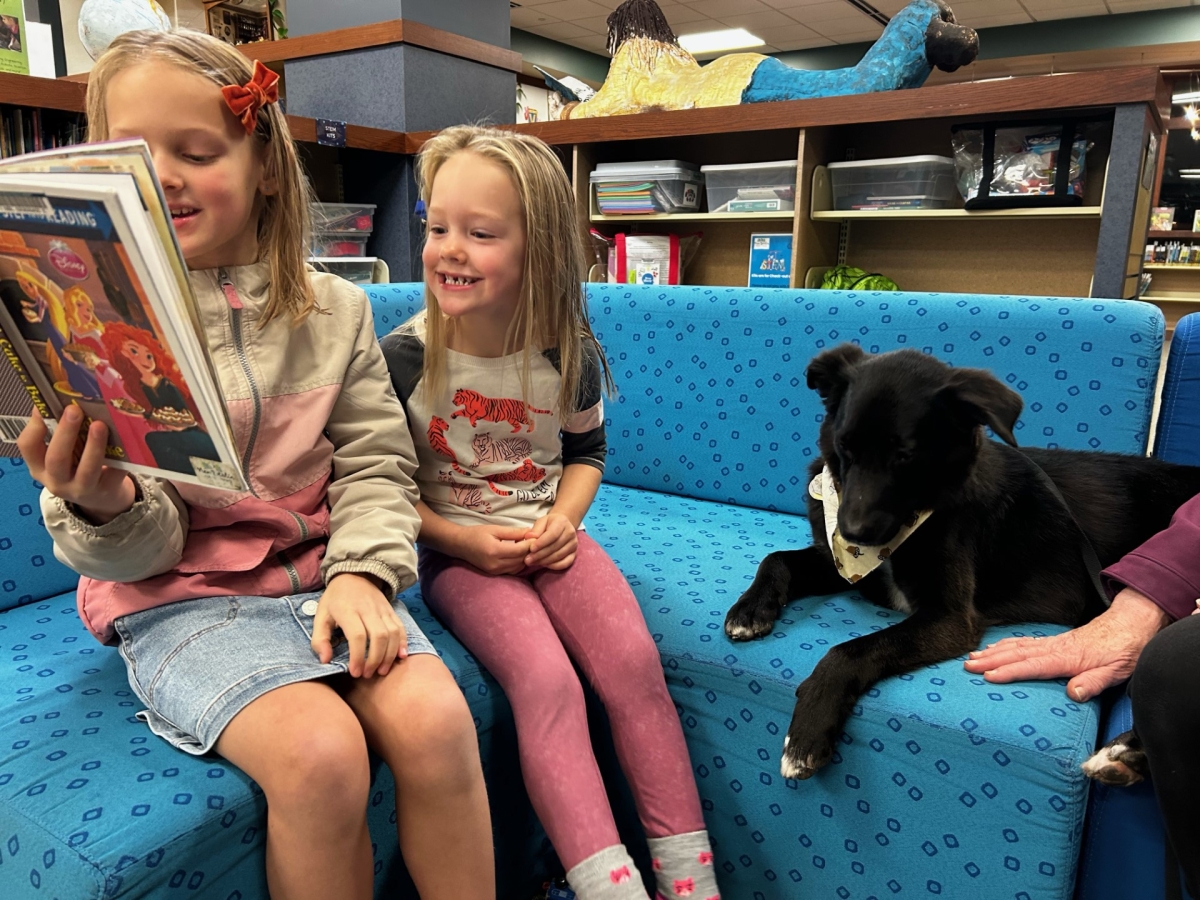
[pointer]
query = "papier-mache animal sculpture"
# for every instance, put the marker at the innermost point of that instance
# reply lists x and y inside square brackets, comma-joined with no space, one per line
[650,71]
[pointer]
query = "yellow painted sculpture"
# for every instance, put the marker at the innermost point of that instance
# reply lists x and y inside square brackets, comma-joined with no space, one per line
[650,71]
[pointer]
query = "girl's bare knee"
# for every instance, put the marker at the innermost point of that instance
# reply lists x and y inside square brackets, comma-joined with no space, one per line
[326,767]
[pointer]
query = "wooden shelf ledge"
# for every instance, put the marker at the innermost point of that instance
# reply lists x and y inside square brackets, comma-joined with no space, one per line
[1041,94]
[47,93]
[1175,267]
[697,217]
[379,34]
[1064,212]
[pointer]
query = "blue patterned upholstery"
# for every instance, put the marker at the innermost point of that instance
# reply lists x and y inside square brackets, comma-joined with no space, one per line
[1178,437]
[943,786]
[1124,847]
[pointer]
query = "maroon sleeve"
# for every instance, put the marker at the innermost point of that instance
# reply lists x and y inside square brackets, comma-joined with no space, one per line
[1167,567]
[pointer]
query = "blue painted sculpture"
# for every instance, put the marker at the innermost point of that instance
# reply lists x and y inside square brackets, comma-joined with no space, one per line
[650,71]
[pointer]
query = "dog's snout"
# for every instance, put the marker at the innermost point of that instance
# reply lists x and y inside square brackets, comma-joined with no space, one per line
[870,527]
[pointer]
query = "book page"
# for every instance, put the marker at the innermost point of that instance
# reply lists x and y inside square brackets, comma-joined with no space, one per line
[104,323]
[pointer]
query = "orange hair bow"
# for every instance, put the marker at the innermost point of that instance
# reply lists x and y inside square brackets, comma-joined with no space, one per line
[246,100]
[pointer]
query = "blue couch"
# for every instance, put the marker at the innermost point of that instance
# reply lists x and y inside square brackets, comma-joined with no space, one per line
[943,786]
[1124,849]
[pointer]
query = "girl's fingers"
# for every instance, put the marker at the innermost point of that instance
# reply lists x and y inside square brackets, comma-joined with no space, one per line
[91,461]
[32,445]
[356,636]
[322,636]
[551,552]
[60,452]
[380,646]
[563,562]
[397,648]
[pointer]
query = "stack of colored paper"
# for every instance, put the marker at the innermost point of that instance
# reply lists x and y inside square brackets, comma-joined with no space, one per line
[626,197]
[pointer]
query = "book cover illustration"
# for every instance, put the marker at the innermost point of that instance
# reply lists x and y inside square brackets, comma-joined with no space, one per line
[70,294]
[770,260]
[1162,218]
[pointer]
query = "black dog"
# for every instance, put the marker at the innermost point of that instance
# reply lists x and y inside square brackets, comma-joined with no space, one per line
[903,433]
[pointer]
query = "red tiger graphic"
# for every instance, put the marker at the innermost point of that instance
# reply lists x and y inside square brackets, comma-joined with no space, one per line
[527,472]
[439,444]
[475,406]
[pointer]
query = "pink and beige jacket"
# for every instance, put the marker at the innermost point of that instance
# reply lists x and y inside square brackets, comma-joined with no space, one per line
[325,447]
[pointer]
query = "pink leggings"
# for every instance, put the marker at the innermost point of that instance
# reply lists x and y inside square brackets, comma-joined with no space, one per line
[525,630]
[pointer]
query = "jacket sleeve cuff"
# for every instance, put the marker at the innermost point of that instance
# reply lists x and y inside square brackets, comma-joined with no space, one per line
[119,525]
[1173,593]
[380,570]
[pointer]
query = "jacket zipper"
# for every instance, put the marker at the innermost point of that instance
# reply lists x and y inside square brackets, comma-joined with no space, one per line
[239,346]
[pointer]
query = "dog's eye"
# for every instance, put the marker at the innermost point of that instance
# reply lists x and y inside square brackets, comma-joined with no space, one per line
[901,457]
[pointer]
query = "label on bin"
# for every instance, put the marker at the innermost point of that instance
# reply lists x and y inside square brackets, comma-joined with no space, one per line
[331,133]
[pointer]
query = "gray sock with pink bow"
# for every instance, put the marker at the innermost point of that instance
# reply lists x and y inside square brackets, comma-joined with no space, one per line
[683,866]
[607,875]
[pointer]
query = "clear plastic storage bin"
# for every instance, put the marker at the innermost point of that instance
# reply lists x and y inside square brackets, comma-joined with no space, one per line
[353,268]
[751,187]
[347,243]
[902,182]
[640,188]
[335,217]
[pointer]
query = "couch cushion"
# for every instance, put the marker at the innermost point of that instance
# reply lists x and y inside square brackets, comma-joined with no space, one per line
[713,402]
[944,784]
[94,805]
[1178,437]
[28,569]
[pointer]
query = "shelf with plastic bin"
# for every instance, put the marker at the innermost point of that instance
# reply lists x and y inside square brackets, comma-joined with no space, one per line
[787,214]
[822,208]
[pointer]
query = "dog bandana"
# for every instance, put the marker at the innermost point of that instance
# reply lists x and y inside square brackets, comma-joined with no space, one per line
[853,561]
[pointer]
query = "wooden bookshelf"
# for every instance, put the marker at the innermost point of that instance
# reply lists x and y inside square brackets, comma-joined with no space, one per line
[47,93]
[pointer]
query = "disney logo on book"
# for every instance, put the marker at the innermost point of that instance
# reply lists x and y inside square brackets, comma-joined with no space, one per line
[67,261]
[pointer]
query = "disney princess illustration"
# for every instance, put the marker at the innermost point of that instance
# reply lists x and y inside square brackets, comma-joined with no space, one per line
[151,378]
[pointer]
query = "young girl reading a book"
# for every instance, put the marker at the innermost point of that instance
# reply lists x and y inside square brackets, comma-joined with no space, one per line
[501,378]
[226,606]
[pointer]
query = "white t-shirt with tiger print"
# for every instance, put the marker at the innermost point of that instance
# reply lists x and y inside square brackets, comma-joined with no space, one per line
[483,455]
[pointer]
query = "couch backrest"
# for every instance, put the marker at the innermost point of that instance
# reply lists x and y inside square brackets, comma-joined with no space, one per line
[28,569]
[712,398]
[712,402]
[1178,436]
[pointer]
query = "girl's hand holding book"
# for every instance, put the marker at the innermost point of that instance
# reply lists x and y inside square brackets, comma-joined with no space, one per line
[553,542]
[355,605]
[99,492]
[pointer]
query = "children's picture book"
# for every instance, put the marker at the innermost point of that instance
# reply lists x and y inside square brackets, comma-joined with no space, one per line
[96,310]
[1162,218]
[14,54]
[770,260]
[1196,220]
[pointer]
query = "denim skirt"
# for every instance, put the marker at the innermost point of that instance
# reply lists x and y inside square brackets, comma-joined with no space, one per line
[196,663]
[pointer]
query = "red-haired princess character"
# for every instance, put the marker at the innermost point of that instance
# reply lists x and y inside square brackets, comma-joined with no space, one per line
[153,380]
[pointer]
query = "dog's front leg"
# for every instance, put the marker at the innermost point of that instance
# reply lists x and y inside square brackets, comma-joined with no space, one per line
[782,576]
[824,699]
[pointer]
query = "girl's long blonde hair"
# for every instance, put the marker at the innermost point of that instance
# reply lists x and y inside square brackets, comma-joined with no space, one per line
[283,224]
[553,308]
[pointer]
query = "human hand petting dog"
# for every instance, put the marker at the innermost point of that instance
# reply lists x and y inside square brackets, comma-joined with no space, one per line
[1094,656]
[356,605]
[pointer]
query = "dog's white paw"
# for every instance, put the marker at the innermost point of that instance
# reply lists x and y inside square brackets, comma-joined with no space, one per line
[1106,766]
[740,632]
[792,765]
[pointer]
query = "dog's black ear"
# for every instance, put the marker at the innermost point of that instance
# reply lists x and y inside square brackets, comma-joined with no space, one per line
[828,372]
[977,396]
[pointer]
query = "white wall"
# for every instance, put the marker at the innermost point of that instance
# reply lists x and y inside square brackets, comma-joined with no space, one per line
[183,14]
